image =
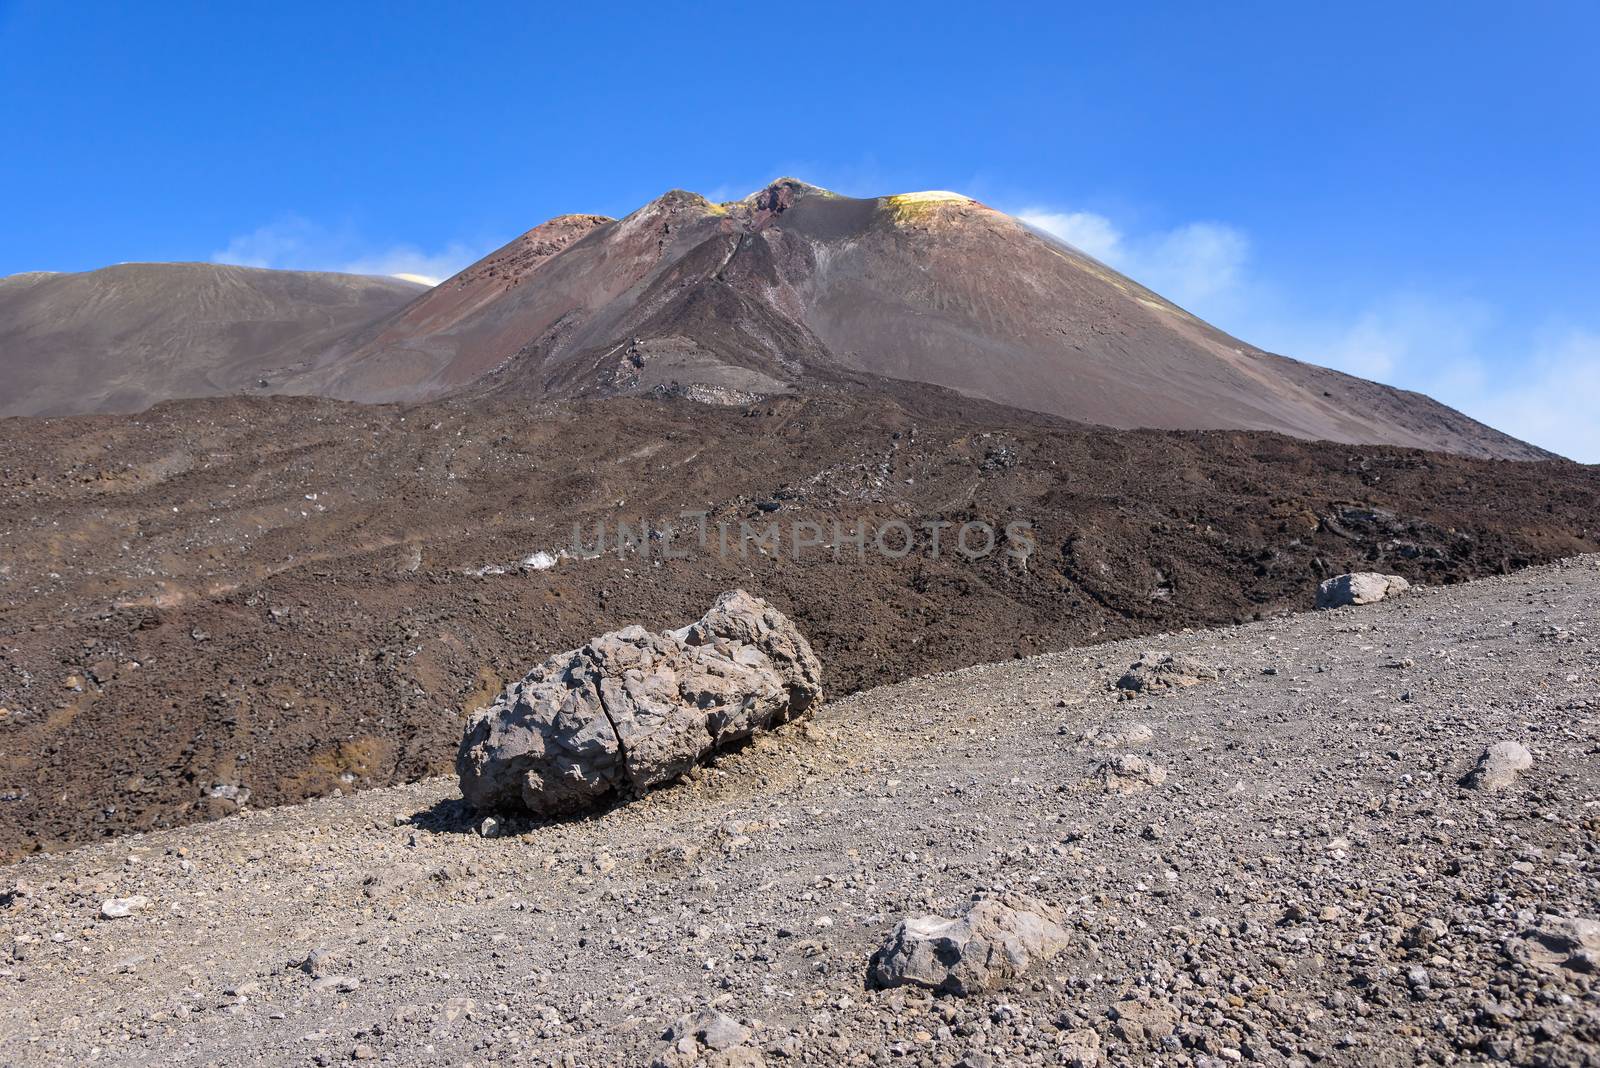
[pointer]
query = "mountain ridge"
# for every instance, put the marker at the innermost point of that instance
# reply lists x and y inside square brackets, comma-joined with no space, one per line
[795,286]
[121,338]
[827,276]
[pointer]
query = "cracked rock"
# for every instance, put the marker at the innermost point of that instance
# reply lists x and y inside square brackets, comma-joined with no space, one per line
[1551,942]
[1127,774]
[1140,1020]
[633,710]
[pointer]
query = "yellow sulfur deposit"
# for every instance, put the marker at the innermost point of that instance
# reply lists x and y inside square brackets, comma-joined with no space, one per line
[905,207]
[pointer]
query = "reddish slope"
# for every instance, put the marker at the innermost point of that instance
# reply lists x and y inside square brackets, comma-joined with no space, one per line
[455,332]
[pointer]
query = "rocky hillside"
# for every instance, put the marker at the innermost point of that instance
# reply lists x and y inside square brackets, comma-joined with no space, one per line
[1285,862]
[278,598]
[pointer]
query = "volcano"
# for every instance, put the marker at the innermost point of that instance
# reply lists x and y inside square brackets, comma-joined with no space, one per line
[794,284]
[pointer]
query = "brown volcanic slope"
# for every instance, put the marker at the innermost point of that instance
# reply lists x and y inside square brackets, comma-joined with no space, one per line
[297,595]
[122,338]
[796,286]
[453,333]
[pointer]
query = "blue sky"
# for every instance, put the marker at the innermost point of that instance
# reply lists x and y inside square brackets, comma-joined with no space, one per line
[1406,191]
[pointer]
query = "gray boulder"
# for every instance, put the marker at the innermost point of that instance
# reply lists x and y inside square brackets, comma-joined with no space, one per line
[1361,587]
[1499,766]
[989,948]
[1156,672]
[634,709]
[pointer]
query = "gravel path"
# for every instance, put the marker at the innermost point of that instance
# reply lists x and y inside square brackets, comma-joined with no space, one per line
[1309,884]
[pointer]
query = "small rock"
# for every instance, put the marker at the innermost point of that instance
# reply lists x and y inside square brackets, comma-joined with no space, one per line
[318,962]
[716,1030]
[1078,1049]
[1157,672]
[1361,587]
[1129,774]
[1498,766]
[708,1037]
[986,949]
[1423,935]
[120,908]
[1140,1021]
[390,880]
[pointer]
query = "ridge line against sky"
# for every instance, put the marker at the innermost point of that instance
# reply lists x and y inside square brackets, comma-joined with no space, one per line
[1405,193]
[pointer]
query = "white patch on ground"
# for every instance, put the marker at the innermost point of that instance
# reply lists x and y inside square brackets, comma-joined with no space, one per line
[930,196]
[538,560]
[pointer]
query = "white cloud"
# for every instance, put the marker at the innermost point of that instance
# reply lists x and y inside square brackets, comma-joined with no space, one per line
[1390,340]
[1187,265]
[1550,400]
[295,243]
[412,264]
[1534,383]
[1197,261]
[1083,230]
